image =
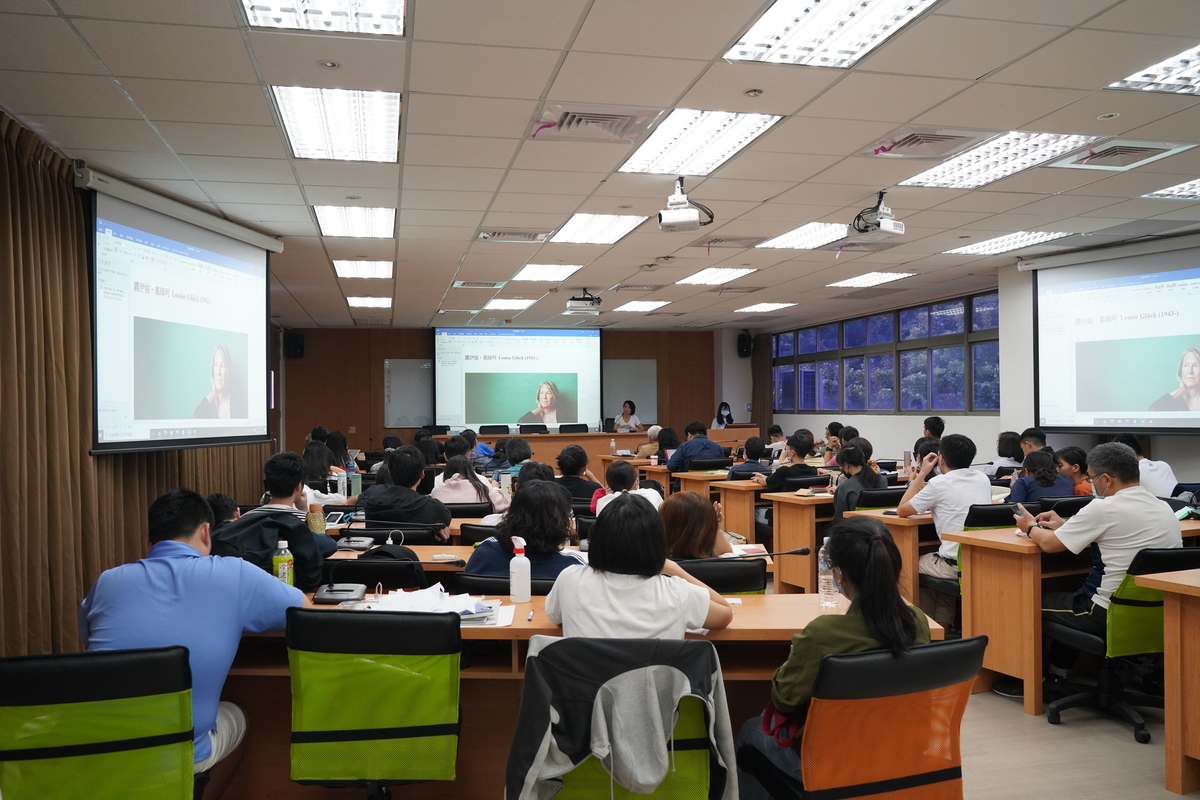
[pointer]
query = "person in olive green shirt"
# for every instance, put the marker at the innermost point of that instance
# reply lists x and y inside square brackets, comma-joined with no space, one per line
[866,568]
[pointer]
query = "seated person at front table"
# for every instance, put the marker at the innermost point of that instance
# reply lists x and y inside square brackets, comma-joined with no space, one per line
[668,443]
[847,433]
[629,589]
[832,434]
[1156,476]
[698,445]
[383,479]
[541,515]
[755,449]
[859,475]
[922,448]
[723,419]
[1187,396]
[518,452]
[460,484]
[437,457]
[390,443]
[1040,480]
[934,428]
[797,446]
[401,502]
[341,453]
[1130,519]
[223,507]
[318,466]
[479,453]
[694,527]
[622,478]
[179,594]
[866,568]
[777,440]
[1008,454]
[1071,463]
[530,472]
[628,422]
[576,477]
[1033,439]
[254,535]
[650,448]
[547,408]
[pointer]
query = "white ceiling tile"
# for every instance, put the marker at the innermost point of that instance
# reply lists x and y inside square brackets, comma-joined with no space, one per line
[410,217]
[510,23]
[61,95]
[633,27]
[1066,205]
[450,201]
[998,107]
[872,171]
[205,139]
[796,215]
[1182,209]
[725,189]
[623,80]
[556,252]
[467,116]
[260,212]
[995,202]
[937,218]
[374,63]
[1138,208]
[641,206]
[917,197]
[143,166]
[131,49]
[1079,224]
[484,71]
[1136,109]
[445,234]
[292,228]
[822,194]
[820,136]
[193,101]
[350,196]
[784,87]
[763,166]
[344,173]
[177,190]
[581,156]
[1085,59]
[70,133]
[951,47]
[29,7]
[452,178]
[267,193]
[1008,223]
[887,98]
[211,13]
[458,151]
[551,181]
[544,221]
[634,184]
[1166,17]
[547,203]
[1182,126]
[236,170]
[1125,184]
[370,249]
[43,44]
[1046,180]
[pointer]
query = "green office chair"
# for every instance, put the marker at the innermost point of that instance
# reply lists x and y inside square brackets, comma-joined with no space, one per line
[375,697]
[110,724]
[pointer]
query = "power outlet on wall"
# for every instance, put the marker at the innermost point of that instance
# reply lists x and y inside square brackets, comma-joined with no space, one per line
[352,429]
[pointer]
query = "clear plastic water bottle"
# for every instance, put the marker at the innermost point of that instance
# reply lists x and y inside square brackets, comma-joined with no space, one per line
[829,595]
[612,447]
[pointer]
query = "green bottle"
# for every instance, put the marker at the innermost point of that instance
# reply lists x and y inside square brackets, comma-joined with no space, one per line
[283,565]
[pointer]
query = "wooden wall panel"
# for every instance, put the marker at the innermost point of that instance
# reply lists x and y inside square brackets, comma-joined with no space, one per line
[685,370]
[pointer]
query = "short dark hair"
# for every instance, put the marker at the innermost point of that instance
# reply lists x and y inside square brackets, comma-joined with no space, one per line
[318,458]
[800,444]
[695,427]
[755,448]
[834,428]
[1071,454]
[926,445]
[518,450]
[632,406]
[541,515]
[847,433]
[668,439]
[1008,445]
[456,446]
[222,506]
[1040,464]
[471,438]
[1034,435]
[573,460]
[861,444]
[620,476]
[282,473]
[407,466]
[1115,459]
[177,515]
[936,426]
[1130,441]
[533,471]
[957,450]
[429,449]
[628,538]
[775,430]
[392,441]
[319,434]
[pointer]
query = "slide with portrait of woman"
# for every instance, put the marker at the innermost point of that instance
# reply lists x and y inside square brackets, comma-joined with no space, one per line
[523,397]
[188,371]
[1160,373]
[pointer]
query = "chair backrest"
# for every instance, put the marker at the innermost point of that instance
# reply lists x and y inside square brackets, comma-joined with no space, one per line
[469,510]
[880,498]
[903,716]
[497,585]
[727,451]
[428,479]
[401,532]
[583,526]
[107,724]
[705,464]
[491,430]
[533,427]
[342,508]
[1135,613]
[729,576]
[792,484]
[375,696]
[983,516]
[1065,506]
[471,533]
[885,465]
[391,575]
[1004,472]
[244,509]
[893,479]
[1180,488]
[573,427]
[581,509]
[610,424]
[1175,503]
[439,430]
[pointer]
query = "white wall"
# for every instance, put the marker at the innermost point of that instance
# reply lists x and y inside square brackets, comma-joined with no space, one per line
[732,376]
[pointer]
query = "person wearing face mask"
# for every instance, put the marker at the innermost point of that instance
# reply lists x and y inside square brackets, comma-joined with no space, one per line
[1128,520]
[866,569]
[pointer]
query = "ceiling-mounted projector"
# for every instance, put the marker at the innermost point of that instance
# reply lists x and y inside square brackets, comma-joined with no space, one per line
[682,214]
[584,305]
[876,224]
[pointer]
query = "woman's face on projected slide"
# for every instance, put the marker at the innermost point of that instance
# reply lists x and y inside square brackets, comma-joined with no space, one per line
[220,371]
[1189,373]
[545,398]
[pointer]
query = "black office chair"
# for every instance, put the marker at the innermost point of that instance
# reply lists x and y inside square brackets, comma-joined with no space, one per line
[1180,488]
[610,424]
[533,427]
[244,509]
[893,479]
[583,526]
[792,484]
[427,482]
[729,575]
[391,574]
[727,451]
[880,498]
[331,508]
[1004,472]
[469,510]
[573,427]
[582,509]
[497,585]
[705,464]
[885,465]
[439,430]
[1065,506]
[494,430]
[1175,503]
[470,533]
[399,533]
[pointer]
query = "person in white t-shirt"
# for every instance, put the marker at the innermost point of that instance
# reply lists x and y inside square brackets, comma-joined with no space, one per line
[1156,477]
[628,422]
[621,478]
[629,589]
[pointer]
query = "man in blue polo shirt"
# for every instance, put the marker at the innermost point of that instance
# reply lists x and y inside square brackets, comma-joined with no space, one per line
[181,595]
[698,445]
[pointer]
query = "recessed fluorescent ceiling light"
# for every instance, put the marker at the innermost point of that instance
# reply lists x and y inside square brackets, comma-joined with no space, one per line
[596,228]
[1003,156]
[1184,191]
[871,279]
[761,307]
[369,302]
[715,276]
[834,33]
[340,124]
[363,269]
[1002,244]
[509,304]
[382,17]
[364,223]
[1178,74]
[808,237]
[643,305]
[690,142]
[547,272]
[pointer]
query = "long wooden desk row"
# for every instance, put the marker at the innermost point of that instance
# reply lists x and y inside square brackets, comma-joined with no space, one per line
[547,446]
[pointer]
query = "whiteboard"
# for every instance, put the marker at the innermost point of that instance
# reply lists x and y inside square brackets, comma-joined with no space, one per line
[407,392]
[633,379]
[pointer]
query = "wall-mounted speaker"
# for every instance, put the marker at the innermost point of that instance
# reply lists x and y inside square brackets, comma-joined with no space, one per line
[293,344]
[745,345]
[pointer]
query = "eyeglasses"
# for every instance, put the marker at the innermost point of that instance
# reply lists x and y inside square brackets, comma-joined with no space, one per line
[1092,478]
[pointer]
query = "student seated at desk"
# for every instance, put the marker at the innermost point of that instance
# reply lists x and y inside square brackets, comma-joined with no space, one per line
[518,452]
[668,443]
[390,443]
[576,477]
[650,448]
[698,445]
[1008,454]
[401,502]
[755,449]
[223,507]
[694,527]
[794,466]
[621,478]
[866,569]
[460,484]
[430,447]
[456,446]
[629,589]
[921,450]
[1157,476]
[1071,463]
[1033,439]
[319,464]
[1040,480]
[777,440]
[541,515]
[859,475]
[529,472]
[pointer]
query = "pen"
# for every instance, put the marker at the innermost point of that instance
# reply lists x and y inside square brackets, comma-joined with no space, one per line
[530,617]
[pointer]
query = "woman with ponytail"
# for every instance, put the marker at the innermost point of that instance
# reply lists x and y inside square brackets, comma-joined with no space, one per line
[866,569]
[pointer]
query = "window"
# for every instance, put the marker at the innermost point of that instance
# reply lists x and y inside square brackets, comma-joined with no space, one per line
[808,386]
[854,334]
[880,329]
[914,323]
[949,379]
[985,375]
[946,318]
[785,387]
[786,347]
[914,380]
[985,312]
[775,346]
[808,341]
[855,371]
[827,338]
[828,398]
[881,382]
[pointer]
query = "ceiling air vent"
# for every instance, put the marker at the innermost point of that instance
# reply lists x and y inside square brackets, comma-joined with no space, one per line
[634,287]
[925,141]
[373,321]
[620,124]
[508,235]
[662,314]
[700,324]
[594,322]
[736,289]
[1118,155]
[731,243]
[850,245]
[479,284]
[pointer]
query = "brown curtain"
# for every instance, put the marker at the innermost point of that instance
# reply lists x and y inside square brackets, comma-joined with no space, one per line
[66,516]
[762,395]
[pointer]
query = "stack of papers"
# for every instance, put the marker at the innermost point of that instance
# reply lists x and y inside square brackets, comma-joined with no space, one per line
[473,610]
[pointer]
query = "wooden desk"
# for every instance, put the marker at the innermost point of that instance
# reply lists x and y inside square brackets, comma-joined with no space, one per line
[425,552]
[606,461]
[795,526]
[905,532]
[660,474]
[700,482]
[1181,657]
[547,446]
[455,526]
[737,503]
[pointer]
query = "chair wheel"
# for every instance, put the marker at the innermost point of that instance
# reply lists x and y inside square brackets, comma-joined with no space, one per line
[1053,717]
[1141,735]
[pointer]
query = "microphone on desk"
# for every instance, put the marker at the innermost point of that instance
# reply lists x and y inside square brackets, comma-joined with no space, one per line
[799,551]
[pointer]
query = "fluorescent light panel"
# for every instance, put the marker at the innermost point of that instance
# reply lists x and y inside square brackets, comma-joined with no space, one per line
[552,273]
[643,305]
[363,269]
[509,304]
[369,302]
[715,276]
[340,124]
[356,221]
[998,158]
[1002,244]
[691,142]
[1177,75]
[833,33]
[380,17]
[808,237]
[871,279]
[597,228]
[761,307]
[1184,191]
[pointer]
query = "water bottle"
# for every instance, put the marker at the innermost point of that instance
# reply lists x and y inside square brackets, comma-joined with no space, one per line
[519,581]
[282,563]
[341,483]
[612,447]
[829,595]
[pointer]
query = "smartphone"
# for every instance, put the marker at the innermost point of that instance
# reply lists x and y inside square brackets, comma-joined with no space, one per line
[333,517]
